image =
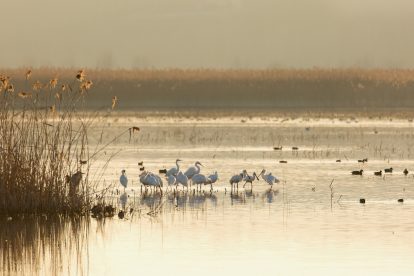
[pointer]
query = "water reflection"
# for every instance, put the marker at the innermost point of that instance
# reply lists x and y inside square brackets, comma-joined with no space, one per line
[154,202]
[44,245]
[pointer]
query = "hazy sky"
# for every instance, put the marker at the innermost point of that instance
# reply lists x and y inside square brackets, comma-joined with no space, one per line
[207,33]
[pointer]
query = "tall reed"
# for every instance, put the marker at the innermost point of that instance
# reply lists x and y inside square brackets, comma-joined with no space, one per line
[42,143]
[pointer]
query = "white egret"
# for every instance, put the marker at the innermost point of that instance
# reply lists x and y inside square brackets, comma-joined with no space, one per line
[269,178]
[150,179]
[199,179]
[213,177]
[142,178]
[191,171]
[174,170]
[235,179]
[123,179]
[171,180]
[182,179]
[249,178]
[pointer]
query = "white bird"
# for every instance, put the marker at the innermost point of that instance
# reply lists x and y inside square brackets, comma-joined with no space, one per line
[158,180]
[191,171]
[142,178]
[150,179]
[174,170]
[213,177]
[123,179]
[199,179]
[249,178]
[269,178]
[171,180]
[235,179]
[182,179]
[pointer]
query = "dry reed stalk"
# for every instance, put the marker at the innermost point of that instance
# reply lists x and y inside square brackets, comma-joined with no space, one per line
[39,149]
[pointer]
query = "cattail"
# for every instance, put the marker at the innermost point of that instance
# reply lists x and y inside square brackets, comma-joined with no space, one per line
[114,101]
[80,76]
[24,95]
[37,86]
[28,74]
[53,83]
[4,82]
[10,88]
[86,85]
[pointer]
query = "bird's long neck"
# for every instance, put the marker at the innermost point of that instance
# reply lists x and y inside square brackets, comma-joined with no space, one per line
[198,168]
[178,166]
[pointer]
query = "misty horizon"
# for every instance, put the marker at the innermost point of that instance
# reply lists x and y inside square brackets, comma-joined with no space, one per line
[207,34]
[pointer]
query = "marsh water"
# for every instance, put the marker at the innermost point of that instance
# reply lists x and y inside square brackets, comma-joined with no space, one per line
[311,223]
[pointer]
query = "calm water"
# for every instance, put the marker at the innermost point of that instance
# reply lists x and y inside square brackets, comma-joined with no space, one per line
[295,228]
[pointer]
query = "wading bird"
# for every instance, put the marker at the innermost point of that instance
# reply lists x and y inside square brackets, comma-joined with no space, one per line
[123,179]
[388,170]
[405,171]
[151,180]
[235,179]
[174,170]
[249,178]
[182,179]
[200,179]
[269,178]
[171,180]
[191,171]
[212,178]
[74,182]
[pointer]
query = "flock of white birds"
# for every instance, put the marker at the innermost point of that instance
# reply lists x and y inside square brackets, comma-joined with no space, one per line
[193,176]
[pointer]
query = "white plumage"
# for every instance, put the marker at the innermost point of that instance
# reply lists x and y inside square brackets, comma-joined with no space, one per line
[213,177]
[191,171]
[150,179]
[269,178]
[249,178]
[182,179]
[174,170]
[235,179]
[199,179]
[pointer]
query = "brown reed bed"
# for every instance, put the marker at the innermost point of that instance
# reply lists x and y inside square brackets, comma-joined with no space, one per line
[316,90]
[42,143]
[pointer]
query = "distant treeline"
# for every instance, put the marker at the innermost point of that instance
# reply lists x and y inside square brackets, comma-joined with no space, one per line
[353,88]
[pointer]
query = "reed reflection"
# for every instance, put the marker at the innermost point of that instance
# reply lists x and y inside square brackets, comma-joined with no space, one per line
[51,245]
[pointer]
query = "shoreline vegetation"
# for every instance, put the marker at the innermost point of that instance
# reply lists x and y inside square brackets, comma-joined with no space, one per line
[43,147]
[317,90]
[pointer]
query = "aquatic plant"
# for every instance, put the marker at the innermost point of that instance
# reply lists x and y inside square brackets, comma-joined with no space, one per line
[43,145]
